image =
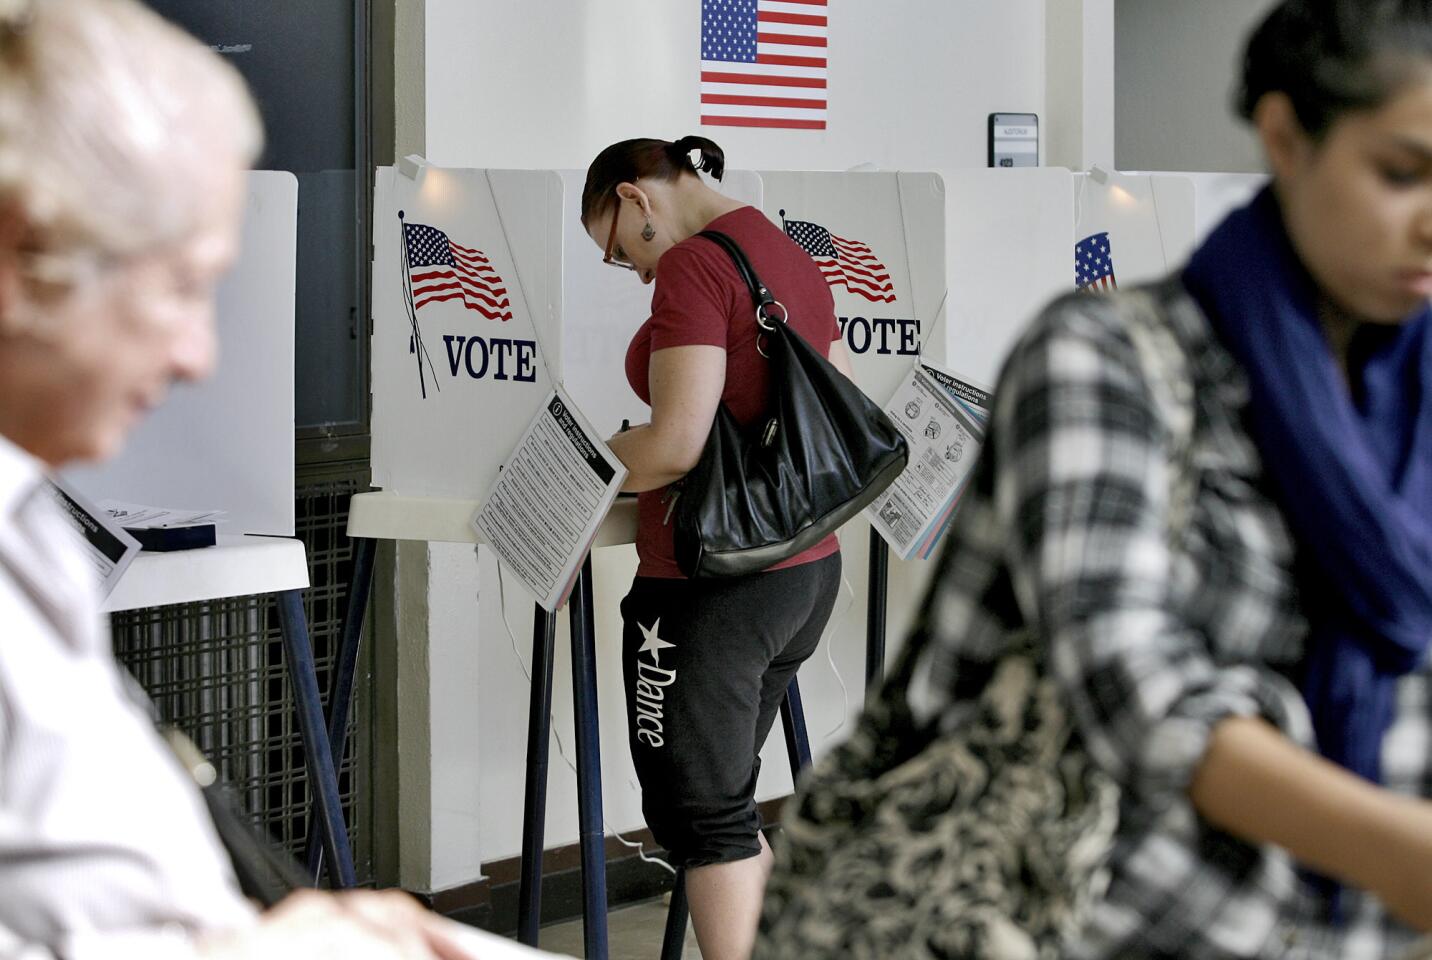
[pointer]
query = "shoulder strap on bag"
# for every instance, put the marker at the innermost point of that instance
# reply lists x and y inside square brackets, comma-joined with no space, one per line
[761,296]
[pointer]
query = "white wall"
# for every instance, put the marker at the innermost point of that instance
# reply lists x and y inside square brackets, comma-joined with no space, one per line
[1177,65]
[1079,83]
[911,84]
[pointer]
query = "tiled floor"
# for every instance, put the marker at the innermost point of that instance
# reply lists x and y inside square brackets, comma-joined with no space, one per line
[633,933]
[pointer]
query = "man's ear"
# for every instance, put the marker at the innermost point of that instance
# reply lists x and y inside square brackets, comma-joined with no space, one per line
[13,230]
[1285,143]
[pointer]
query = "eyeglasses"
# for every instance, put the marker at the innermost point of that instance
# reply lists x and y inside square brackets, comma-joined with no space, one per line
[611,239]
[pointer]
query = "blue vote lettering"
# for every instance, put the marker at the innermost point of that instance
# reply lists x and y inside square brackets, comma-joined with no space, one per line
[862,333]
[492,356]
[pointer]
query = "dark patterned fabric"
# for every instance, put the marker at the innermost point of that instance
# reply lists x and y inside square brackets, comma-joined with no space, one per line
[1148,640]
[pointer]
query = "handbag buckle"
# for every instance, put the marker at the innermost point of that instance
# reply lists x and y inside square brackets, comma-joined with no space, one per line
[768,435]
[766,322]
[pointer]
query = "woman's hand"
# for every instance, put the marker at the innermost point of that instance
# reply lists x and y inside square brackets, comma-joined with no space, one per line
[353,925]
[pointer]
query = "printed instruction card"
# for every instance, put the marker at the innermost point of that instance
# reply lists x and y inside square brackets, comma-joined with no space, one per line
[550,498]
[109,548]
[943,417]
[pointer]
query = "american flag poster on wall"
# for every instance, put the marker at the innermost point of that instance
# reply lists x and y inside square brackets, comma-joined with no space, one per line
[763,63]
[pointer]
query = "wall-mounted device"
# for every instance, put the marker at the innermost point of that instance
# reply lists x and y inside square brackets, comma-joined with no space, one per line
[1013,140]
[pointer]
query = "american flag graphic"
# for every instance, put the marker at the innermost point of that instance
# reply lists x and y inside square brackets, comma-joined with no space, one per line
[439,269]
[763,63]
[1093,265]
[847,263]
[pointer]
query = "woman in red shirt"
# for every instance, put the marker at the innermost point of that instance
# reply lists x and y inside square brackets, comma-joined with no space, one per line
[706,661]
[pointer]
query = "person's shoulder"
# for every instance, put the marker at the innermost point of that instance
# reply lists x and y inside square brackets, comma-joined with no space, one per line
[693,258]
[752,230]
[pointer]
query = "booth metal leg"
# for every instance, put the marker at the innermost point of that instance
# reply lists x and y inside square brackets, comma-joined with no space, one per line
[589,768]
[340,696]
[534,808]
[793,721]
[317,753]
[676,915]
[875,612]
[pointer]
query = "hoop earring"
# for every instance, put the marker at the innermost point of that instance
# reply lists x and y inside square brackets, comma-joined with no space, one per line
[648,231]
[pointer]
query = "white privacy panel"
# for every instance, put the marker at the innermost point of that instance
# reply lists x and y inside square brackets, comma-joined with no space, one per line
[1149,220]
[227,443]
[466,303]
[1009,238]
[879,238]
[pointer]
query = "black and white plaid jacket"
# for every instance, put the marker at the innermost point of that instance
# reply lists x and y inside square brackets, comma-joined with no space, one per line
[1158,618]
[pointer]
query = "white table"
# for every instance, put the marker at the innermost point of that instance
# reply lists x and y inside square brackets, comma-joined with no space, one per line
[237,566]
[241,566]
[391,516]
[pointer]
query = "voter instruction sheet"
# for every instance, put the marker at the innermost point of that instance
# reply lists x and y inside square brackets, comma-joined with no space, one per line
[551,496]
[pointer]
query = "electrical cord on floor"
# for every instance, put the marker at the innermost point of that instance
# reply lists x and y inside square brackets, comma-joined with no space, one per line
[561,748]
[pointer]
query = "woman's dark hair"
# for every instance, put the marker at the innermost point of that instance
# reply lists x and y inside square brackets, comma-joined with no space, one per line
[1333,57]
[630,160]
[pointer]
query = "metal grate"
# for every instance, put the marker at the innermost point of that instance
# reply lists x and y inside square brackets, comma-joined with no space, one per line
[216,670]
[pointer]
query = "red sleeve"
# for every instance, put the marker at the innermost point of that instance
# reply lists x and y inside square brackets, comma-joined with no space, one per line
[692,302]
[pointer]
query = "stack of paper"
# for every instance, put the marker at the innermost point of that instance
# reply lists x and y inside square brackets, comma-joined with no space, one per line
[551,496]
[162,529]
[943,417]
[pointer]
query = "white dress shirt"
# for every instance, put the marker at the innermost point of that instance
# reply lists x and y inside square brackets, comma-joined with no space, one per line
[106,847]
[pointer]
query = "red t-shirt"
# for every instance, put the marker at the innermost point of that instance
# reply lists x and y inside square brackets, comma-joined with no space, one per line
[700,299]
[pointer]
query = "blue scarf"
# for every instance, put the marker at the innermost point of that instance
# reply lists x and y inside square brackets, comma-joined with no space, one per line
[1350,469]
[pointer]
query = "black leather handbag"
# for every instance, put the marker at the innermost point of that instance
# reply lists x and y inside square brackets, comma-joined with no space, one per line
[821,453]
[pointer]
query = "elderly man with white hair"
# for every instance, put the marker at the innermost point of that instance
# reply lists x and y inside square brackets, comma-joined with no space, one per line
[123,143]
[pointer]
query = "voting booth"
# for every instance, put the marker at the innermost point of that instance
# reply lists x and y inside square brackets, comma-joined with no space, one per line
[1130,228]
[487,291]
[227,443]
[466,294]
[1146,225]
[1009,238]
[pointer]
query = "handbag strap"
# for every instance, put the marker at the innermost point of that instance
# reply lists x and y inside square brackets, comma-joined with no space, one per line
[761,296]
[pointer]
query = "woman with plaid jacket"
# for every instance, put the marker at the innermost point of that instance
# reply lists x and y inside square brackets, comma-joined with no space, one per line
[1258,687]
[1236,610]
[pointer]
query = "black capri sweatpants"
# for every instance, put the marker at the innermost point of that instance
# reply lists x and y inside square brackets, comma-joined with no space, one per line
[706,665]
